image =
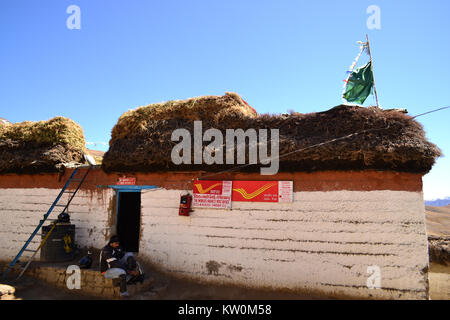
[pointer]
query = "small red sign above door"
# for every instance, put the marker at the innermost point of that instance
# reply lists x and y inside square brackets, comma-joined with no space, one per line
[126,181]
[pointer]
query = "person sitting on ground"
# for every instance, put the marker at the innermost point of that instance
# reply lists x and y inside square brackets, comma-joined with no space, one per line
[116,263]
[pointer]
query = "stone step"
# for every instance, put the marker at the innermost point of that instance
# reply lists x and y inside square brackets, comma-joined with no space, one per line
[92,281]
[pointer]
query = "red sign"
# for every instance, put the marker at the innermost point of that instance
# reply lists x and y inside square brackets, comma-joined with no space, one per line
[126,181]
[212,194]
[219,194]
[262,191]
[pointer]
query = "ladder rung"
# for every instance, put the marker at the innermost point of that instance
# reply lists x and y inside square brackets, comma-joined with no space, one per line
[60,205]
[31,250]
[76,180]
[69,192]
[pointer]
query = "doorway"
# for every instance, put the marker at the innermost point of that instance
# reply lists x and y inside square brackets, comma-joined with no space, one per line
[129,220]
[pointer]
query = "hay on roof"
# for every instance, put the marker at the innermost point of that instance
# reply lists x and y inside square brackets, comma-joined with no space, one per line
[141,141]
[215,108]
[30,147]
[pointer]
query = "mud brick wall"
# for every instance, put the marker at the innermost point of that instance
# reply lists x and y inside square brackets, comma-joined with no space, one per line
[339,225]
[21,209]
[323,242]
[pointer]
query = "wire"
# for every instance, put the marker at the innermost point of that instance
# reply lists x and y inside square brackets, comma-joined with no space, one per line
[431,111]
[295,151]
[313,146]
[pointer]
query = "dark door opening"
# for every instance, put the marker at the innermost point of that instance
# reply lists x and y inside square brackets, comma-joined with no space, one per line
[129,220]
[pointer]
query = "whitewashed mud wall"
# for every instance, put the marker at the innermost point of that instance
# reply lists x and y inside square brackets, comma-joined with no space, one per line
[21,210]
[323,242]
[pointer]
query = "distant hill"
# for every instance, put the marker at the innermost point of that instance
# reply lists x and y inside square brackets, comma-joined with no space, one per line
[438,202]
[97,154]
[438,230]
[438,220]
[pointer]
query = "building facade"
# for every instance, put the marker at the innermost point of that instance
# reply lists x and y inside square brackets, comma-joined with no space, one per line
[355,234]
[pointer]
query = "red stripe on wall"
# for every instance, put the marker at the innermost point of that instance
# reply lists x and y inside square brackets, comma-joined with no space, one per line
[314,181]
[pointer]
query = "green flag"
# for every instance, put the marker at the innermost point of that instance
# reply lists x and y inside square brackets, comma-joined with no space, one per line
[359,84]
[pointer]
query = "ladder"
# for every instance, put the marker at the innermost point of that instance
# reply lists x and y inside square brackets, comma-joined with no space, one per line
[54,205]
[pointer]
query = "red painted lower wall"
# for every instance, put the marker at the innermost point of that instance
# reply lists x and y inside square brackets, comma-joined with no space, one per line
[314,181]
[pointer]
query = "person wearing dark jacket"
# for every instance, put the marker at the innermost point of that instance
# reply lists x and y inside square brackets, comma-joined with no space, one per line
[116,263]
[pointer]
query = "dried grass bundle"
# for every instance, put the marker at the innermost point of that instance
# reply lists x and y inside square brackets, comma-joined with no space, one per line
[40,146]
[141,141]
[215,108]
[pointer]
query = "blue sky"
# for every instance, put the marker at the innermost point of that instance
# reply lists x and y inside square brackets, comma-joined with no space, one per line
[278,55]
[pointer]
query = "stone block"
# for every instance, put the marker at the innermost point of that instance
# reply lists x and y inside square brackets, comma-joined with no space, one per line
[61,283]
[99,281]
[88,276]
[109,283]
[97,290]
[108,292]
[116,291]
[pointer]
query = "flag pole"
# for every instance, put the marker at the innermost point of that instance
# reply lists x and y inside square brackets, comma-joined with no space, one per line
[373,77]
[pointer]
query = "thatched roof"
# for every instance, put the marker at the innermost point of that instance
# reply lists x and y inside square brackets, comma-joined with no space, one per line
[212,107]
[388,140]
[42,146]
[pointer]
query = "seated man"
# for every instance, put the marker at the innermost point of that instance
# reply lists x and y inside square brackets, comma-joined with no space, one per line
[116,263]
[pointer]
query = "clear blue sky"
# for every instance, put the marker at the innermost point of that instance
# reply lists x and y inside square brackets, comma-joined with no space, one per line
[278,55]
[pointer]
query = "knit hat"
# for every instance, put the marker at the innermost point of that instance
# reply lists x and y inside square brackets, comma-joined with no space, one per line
[114,239]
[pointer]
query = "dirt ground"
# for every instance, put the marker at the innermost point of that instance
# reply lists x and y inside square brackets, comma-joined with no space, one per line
[163,288]
[438,225]
[166,288]
[439,279]
[32,289]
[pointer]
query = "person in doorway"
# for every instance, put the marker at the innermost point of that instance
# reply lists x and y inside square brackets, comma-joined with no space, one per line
[116,263]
